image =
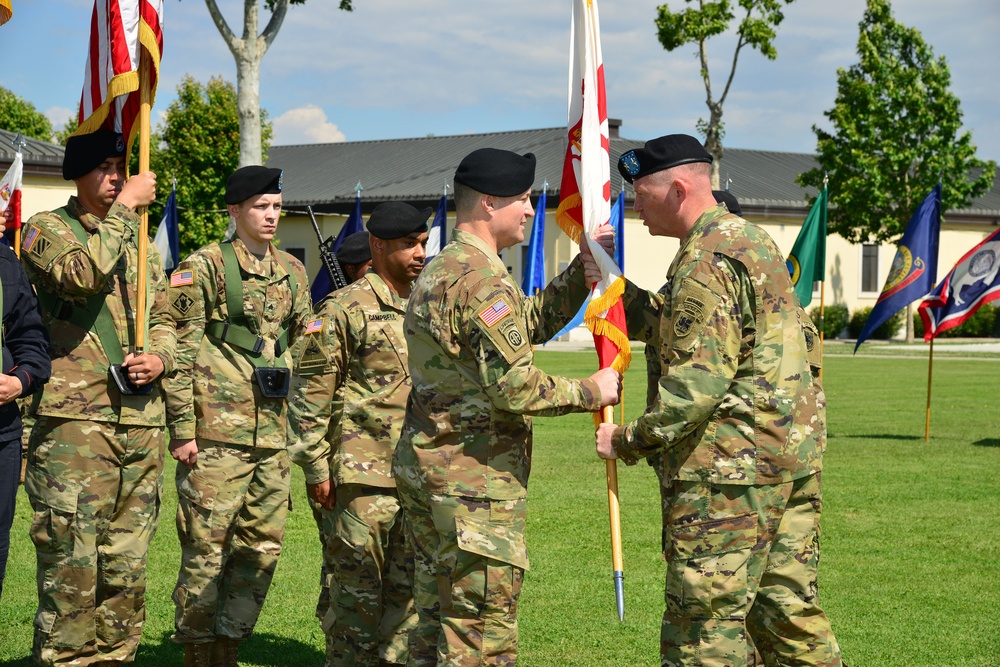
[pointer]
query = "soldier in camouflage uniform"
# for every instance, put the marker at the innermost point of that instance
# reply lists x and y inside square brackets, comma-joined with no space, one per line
[735,426]
[346,417]
[463,459]
[95,456]
[240,306]
[355,257]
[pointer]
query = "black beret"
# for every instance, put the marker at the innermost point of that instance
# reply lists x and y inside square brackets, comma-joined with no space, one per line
[251,181]
[497,172]
[662,153]
[355,249]
[729,199]
[396,219]
[85,151]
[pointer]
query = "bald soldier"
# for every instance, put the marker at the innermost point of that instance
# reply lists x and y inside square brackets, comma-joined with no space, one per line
[240,306]
[735,426]
[463,459]
[95,455]
[346,419]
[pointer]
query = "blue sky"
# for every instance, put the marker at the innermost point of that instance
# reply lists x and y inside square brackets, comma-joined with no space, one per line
[405,68]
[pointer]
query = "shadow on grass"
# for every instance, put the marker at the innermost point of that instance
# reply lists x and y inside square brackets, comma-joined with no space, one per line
[875,436]
[261,649]
[987,442]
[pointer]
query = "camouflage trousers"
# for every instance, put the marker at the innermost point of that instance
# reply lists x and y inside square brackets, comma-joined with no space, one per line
[469,564]
[326,569]
[231,510]
[742,566]
[371,588]
[95,490]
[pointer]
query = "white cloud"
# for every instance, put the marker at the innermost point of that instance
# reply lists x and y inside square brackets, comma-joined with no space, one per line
[306,125]
[58,116]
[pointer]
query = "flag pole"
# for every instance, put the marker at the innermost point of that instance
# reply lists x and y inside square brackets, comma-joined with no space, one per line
[822,319]
[617,563]
[145,95]
[930,370]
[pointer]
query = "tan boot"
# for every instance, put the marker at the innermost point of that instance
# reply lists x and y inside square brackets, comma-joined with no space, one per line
[225,653]
[198,655]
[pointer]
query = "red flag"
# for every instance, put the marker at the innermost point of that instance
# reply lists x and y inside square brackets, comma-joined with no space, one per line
[585,192]
[119,30]
[10,193]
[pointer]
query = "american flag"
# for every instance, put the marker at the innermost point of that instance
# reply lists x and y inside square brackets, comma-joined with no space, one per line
[119,31]
[492,314]
[181,278]
[314,326]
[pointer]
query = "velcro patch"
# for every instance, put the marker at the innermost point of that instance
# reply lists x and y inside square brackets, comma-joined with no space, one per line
[692,306]
[494,312]
[314,356]
[41,244]
[315,326]
[181,278]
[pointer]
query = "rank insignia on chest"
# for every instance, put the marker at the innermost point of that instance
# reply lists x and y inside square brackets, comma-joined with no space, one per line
[315,326]
[494,312]
[181,278]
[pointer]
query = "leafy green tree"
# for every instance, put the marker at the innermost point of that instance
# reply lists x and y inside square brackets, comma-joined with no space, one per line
[695,26]
[248,50]
[198,145]
[895,135]
[19,115]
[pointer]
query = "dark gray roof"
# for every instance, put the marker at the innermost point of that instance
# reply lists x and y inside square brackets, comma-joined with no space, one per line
[40,157]
[416,170]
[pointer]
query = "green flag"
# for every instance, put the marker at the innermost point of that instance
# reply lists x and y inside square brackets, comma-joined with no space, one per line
[807,261]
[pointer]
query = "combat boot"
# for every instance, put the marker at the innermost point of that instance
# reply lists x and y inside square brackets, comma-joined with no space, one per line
[198,655]
[225,652]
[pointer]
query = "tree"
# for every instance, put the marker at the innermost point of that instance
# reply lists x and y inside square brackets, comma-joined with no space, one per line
[198,145]
[696,26]
[248,51]
[19,115]
[895,135]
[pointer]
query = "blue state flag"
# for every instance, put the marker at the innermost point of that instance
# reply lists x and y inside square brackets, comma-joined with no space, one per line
[914,270]
[534,265]
[322,285]
[167,237]
[438,235]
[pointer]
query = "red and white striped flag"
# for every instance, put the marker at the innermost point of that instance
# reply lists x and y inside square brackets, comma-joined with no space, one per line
[585,192]
[119,30]
[10,193]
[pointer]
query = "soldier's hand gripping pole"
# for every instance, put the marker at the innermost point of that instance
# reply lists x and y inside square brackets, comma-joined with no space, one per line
[608,416]
[329,257]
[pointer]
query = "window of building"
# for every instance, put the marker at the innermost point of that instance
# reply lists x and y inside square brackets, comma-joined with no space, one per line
[869,269]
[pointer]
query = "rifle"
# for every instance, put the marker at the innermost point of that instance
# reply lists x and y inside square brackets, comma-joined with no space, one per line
[329,257]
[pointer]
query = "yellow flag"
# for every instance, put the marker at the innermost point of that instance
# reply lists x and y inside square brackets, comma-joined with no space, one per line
[6,11]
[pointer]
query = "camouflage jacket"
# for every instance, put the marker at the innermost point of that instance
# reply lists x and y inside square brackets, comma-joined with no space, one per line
[212,395]
[347,408]
[469,331]
[731,398]
[57,263]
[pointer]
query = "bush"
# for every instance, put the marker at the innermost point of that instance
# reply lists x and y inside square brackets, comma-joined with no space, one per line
[886,331]
[832,322]
[984,323]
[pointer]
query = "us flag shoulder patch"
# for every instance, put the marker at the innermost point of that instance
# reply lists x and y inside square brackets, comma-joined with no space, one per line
[314,326]
[29,238]
[181,278]
[494,312]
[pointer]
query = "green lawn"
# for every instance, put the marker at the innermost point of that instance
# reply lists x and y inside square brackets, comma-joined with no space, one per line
[911,535]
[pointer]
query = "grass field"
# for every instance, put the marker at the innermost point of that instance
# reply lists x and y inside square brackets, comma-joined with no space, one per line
[911,535]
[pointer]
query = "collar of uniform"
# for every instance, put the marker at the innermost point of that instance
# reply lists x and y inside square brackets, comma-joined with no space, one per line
[89,221]
[269,268]
[383,292]
[469,238]
[706,218]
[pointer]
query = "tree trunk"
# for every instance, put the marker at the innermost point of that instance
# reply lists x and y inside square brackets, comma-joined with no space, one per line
[713,142]
[248,87]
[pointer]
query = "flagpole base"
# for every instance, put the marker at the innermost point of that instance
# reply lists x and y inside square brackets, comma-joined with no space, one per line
[620,594]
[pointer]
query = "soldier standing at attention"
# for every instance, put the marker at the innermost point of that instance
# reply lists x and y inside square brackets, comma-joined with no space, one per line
[462,461]
[346,417]
[355,257]
[95,455]
[240,306]
[735,426]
